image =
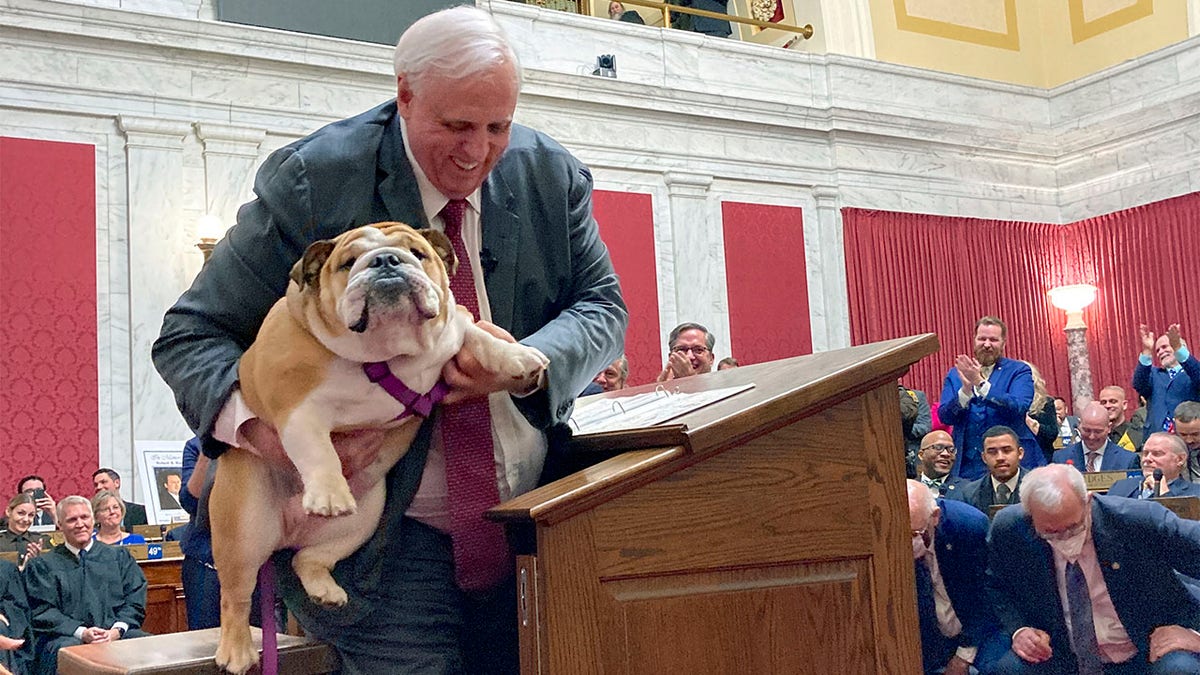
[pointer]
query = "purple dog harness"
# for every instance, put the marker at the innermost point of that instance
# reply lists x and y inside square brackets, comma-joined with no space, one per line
[414,404]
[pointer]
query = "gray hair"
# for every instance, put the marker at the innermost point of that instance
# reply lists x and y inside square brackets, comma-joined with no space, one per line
[61,508]
[459,42]
[1046,486]
[623,366]
[919,491]
[1178,445]
[1188,411]
[103,496]
[709,340]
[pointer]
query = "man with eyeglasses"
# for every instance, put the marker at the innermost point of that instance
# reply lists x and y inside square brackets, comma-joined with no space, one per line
[1168,454]
[934,460]
[691,352]
[950,560]
[1002,454]
[1088,584]
[1187,427]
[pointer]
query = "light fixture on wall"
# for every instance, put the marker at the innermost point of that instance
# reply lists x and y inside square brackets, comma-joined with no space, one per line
[209,229]
[1073,300]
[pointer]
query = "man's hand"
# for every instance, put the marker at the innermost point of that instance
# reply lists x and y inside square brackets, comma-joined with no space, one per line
[1032,645]
[93,635]
[1167,639]
[1174,337]
[113,635]
[1148,484]
[47,504]
[468,378]
[1147,338]
[678,365]
[969,370]
[957,666]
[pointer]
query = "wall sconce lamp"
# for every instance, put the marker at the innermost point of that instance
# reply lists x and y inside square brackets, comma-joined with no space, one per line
[1073,300]
[209,229]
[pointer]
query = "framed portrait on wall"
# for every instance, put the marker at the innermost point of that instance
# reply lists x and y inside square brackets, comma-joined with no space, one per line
[160,467]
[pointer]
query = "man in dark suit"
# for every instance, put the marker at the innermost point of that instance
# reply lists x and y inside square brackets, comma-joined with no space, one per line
[36,487]
[542,276]
[950,560]
[934,459]
[702,24]
[1167,453]
[982,392]
[1094,452]
[618,12]
[109,479]
[1176,378]
[1090,584]
[1002,484]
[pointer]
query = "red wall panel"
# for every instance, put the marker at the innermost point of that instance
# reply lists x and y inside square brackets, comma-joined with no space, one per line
[626,222]
[48,370]
[766,277]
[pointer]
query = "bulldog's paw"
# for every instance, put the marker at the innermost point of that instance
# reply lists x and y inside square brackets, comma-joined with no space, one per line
[329,497]
[523,363]
[325,591]
[235,654]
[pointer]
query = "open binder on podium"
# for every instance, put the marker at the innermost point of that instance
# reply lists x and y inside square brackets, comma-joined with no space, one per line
[645,409]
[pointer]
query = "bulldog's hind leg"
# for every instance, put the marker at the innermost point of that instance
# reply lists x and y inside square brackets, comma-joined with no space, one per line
[338,539]
[246,529]
[305,438]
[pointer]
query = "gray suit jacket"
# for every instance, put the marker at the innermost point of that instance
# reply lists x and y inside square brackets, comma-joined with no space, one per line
[552,284]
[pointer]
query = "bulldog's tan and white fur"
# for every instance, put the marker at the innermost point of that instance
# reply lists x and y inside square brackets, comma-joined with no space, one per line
[376,293]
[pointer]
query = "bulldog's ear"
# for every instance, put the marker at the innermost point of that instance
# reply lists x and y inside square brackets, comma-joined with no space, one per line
[442,246]
[307,270]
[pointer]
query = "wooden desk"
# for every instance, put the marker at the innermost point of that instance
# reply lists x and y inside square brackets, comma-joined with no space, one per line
[166,609]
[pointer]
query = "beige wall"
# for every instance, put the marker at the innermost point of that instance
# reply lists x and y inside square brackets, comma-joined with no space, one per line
[1032,42]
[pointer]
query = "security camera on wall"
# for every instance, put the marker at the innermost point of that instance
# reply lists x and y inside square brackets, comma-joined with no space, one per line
[606,65]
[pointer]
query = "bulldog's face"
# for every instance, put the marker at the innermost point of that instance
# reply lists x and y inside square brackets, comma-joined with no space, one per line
[371,291]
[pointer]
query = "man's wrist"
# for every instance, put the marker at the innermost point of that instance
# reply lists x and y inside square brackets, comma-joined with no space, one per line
[1145,359]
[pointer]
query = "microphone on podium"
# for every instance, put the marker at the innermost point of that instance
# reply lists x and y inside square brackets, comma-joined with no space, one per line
[1157,483]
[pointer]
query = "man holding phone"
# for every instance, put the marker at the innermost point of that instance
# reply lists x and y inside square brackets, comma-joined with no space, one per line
[36,487]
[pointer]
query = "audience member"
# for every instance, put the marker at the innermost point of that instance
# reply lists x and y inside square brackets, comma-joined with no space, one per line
[690,348]
[1042,417]
[1068,425]
[109,512]
[82,591]
[168,492]
[1001,454]
[985,391]
[448,130]
[1176,378]
[1094,452]
[915,420]
[727,363]
[935,458]
[618,12]
[15,633]
[1120,430]
[1187,427]
[614,375]
[36,486]
[702,24]
[17,537]
[1088,584]
[1168,454]
[949,542]
[1137,419]
[108,479]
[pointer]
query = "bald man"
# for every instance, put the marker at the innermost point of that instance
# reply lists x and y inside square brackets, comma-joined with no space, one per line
[935,458]
[1094,451]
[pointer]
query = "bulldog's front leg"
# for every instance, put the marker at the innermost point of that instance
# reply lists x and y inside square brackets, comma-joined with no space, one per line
[305,439]
[522,363]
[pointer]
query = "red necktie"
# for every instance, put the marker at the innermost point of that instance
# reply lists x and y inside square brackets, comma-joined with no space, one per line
[481,555]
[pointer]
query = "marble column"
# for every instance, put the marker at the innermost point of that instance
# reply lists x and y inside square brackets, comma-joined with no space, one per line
[159,240]
[847,27]
[825,256]
[698,243]
[230,155]
[1079,366]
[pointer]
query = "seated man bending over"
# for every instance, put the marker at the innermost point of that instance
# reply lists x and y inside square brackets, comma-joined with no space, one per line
[82,591]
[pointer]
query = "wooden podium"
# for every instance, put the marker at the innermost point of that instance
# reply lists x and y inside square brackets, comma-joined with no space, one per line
[765,533]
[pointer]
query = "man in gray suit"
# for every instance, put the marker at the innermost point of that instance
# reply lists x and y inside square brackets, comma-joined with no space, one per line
[541,274]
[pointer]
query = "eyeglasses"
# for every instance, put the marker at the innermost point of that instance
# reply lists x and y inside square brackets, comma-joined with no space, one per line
[698,351]
[1063,535]
[940,448]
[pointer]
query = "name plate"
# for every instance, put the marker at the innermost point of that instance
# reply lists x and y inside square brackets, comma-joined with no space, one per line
[1100,481]
[1187,508]
[154,552]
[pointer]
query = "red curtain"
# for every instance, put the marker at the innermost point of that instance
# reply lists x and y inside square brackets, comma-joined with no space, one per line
[913,273]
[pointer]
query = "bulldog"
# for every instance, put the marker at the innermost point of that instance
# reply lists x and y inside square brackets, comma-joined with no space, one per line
[364,312]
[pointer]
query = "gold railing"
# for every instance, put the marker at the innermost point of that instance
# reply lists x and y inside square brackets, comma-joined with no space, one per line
[805,31]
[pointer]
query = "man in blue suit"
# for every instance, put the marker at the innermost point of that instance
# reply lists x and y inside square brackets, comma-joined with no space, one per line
[1167,453]
[1175,380]
[1094,451]
[982,392]
[1089,584]
[958,629]
[542,276]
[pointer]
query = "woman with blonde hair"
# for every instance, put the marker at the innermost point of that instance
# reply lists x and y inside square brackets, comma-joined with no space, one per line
[17,538]
[1042,418]
[109,510]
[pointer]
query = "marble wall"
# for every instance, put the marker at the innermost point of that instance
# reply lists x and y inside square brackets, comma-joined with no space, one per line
[181,108]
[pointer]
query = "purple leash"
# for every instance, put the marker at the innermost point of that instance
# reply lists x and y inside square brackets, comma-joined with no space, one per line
[266,605]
